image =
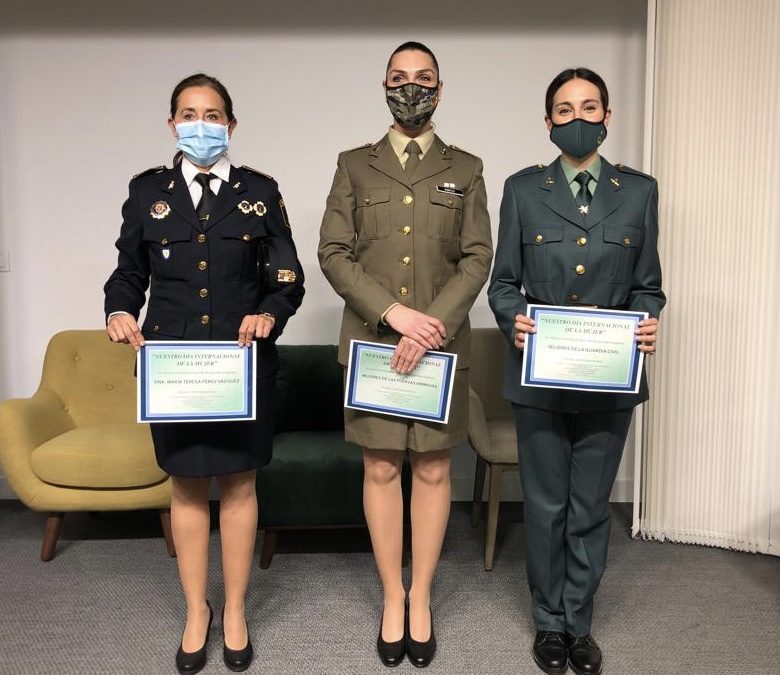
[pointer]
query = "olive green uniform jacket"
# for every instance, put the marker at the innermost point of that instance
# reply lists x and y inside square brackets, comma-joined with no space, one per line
[422,240]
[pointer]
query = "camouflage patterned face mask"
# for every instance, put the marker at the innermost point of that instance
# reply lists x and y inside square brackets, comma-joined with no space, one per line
[411,104]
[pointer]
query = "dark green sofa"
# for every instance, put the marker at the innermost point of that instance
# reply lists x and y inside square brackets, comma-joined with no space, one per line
[315,479]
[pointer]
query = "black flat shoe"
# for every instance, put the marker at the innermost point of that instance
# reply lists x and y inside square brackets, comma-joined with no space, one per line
[420,653]
[584,655]
[551,652]
[193,662]
[237,660]
[390,653]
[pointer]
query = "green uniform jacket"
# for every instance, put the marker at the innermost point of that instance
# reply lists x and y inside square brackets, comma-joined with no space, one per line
[607,258]
[422,240]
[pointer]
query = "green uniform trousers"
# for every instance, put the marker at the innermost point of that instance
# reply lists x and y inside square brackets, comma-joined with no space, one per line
[568,463]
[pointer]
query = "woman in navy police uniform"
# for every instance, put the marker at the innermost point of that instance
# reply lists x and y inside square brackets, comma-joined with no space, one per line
[578,232]
[205,233]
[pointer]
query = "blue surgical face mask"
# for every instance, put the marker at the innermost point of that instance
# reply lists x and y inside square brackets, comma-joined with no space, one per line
[203,143]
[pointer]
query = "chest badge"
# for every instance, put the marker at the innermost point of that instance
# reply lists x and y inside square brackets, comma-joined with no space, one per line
[159,210]
[245,207]
[166,253]
[259,208]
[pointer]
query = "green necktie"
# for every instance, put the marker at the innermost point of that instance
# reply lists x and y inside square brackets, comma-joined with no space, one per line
[413,160]
[582,199]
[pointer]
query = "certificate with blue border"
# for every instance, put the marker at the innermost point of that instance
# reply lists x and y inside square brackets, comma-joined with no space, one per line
[373,386]
[583,349]
[191,381]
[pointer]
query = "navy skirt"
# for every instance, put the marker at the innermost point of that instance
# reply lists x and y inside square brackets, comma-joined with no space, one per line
[204,449]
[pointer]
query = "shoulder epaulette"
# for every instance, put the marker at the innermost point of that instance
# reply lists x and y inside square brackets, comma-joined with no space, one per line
[361,147]
[465,152]
[536,168]
[154,169]
[627,169]
[256,172]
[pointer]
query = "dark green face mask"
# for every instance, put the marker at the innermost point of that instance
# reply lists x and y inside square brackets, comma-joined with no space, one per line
[579,137]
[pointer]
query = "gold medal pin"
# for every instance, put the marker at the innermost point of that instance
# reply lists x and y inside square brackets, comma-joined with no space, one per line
[245,207]
[259,208]
[159,210]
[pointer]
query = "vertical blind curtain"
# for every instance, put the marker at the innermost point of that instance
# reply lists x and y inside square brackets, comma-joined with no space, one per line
[710,433]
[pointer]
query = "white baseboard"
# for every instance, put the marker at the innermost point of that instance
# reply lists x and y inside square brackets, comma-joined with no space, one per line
[463,489]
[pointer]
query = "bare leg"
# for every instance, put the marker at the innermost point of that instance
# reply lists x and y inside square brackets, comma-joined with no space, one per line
[430,510]
[238,531]
[384,509]
[190,525]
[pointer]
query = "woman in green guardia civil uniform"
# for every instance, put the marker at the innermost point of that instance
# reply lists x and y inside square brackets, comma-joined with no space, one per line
[577,232]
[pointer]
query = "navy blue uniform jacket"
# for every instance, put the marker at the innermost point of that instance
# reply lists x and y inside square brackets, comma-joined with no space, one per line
[205,277]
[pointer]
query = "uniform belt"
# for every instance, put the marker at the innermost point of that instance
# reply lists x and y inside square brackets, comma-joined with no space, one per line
[535,301]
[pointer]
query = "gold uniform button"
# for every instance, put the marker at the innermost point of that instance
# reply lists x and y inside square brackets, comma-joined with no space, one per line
[201,238]
[205,319]
[408,199]
[406,229]
[406,260]
[626,242]
[539,239]
[574,297]
[582,241]
[163,241]
[404,290]
[247,237]
[580,269]
[367,201]
[203,292]
[202,265]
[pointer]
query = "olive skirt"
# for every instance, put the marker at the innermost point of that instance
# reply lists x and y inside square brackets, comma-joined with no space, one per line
[385,432]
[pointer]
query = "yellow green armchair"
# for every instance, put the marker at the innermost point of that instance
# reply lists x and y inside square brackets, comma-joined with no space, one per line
[75,445]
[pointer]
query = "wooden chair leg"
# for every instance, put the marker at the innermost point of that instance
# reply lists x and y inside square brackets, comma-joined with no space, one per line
[165,523]
[494,501]
[479,486]
[268,549]
[50,535]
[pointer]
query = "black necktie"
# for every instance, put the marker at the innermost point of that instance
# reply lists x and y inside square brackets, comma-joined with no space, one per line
[207,199]
[582,198]
[413,160]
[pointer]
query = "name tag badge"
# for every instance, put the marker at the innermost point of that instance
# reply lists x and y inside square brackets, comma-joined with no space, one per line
[450,189]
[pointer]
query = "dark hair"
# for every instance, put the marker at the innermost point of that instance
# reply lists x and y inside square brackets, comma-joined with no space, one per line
[202,80]
[413,47]
[572,74]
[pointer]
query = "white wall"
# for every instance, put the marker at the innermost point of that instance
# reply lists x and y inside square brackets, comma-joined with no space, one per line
[85,96]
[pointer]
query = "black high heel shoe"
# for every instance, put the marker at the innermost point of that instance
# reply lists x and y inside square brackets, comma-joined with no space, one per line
[236,660]
[391,653]
[420,653]
[193,662]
